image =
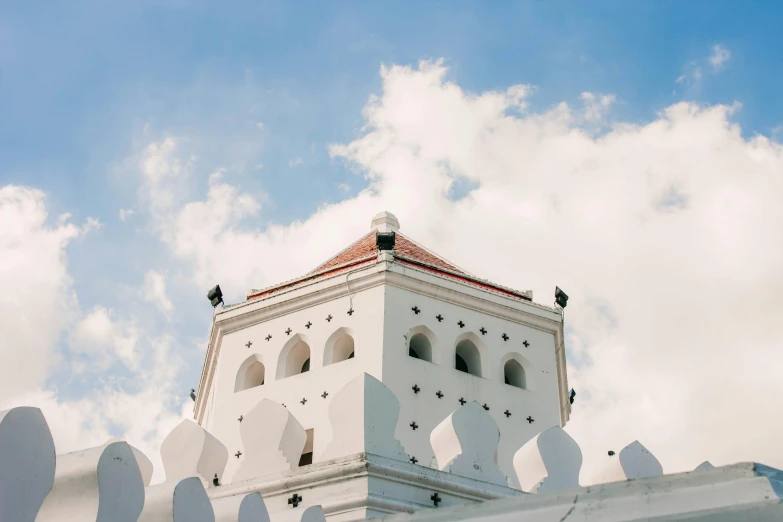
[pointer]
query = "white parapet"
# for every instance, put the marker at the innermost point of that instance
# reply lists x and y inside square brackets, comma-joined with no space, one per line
[742,492]
[465,444]
[145,464]
[364,416]
[273,441]
[249,507]
[96,484]
[182,501]
[191,451]
[302,514]
[26,463]
[633,462]
[549,461]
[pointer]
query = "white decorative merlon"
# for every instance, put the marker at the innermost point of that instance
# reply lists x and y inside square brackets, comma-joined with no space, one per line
[302,514]
[145,464]
[273,441]
[633,462]
[465,444]
[26,463]
[183,501]
[364,416]
[191,451]
[704,465]
[240,508]
[385,222]
[96,484]
[550,461]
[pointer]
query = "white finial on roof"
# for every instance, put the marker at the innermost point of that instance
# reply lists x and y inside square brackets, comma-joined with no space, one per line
[385,222]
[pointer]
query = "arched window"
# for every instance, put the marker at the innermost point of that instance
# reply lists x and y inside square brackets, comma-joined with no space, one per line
[420,347]
[468,358]
[516,371]
[251,373]
[295,358]
[339,347]
[514,374]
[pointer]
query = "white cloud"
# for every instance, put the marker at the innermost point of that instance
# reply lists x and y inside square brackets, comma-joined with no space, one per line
[260,125]
[720,55]
[37,306]
[294,163]
[154,291]
[596,106]
[344,187]
[125,213]
[665,235]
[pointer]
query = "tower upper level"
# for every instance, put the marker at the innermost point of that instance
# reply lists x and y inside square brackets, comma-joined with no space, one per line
[434,334]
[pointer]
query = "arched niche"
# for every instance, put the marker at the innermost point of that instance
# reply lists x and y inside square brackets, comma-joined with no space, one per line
[468,354]
[517,371]
[294,357]
[251,373]
[340,346]
[423,345]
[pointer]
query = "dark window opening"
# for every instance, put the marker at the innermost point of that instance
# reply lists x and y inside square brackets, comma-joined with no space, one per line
[306,366]
[412,353]
[351,356]
[306,459]
[460,364]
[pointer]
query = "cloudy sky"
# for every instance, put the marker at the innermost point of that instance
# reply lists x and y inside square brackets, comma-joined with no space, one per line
[629,152]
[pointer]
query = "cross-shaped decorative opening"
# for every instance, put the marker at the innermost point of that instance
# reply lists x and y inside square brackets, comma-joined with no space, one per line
[462,401]
[268,337]
[308,325]
[439,394]
[416,310]
[216,481]
[485,406]
[414,425]
[238,454]
[461,324]
[526,343]
[249,344]
[439,318]
[241,418]
[506,337]
[483,331]
[324,394]
[530,420]
[415,388]
[288,332]
[303,401]
[295,500]
[350,312]
[414,460]
[328,318]
[507,413]
[435,499]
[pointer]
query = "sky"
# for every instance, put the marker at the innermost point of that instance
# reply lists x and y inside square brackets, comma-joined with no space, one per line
[628,152]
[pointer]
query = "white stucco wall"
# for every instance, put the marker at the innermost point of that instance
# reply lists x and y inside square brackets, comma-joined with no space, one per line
[401,373]
[382,295]
[225,405]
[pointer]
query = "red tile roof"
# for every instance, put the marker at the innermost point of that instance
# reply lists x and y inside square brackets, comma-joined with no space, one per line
[364,251]
[402,246]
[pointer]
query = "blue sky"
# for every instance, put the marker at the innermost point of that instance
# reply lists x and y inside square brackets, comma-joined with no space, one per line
[261,91]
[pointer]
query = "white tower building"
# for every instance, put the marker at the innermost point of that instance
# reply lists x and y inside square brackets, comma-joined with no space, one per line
[432,333]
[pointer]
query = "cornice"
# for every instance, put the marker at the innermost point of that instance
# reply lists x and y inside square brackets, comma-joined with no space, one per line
[371,467]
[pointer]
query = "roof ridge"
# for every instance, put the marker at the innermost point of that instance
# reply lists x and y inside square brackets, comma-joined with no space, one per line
[338,254]
[435,255]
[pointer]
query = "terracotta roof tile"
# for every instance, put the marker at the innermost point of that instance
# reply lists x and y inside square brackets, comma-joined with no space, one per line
[362,251]
[402,246]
